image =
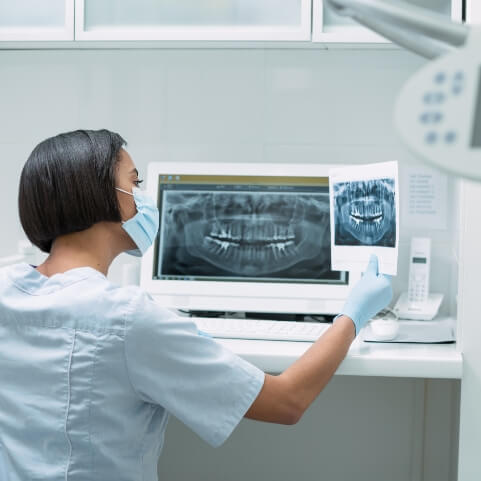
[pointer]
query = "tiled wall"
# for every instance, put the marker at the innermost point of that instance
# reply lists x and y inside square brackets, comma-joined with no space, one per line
[294,105]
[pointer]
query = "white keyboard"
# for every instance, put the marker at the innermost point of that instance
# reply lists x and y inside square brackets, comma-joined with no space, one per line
[261,329]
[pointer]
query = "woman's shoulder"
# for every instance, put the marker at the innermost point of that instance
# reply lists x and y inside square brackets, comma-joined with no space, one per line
[108,306]
[133,303]
[81,299]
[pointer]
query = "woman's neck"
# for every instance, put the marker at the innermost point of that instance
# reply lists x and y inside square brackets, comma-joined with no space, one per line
[95,247]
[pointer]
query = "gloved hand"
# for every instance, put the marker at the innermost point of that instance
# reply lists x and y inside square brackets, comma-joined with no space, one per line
[372,293]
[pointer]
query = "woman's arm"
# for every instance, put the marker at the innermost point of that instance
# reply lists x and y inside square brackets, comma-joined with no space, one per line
[284,398]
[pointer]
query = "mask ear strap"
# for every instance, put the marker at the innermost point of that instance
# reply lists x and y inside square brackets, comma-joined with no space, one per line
[124,191]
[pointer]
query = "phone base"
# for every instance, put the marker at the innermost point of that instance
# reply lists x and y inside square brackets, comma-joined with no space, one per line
[419,311]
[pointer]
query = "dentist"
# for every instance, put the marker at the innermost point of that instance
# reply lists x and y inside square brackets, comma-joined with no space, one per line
[89,371]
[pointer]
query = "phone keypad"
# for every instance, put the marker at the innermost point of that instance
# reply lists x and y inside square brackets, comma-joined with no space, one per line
[417,292]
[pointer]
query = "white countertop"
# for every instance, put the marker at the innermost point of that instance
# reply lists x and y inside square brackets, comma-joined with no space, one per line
[363,358]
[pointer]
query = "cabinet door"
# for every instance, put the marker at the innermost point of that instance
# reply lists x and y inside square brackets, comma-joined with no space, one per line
[36,19]
[193,19]
[473,11]
[331,28]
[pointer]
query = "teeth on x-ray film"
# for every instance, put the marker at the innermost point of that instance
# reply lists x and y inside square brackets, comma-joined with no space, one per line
[246,234]
[365,213]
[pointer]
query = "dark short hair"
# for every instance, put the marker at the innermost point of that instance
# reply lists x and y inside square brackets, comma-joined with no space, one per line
[68,184]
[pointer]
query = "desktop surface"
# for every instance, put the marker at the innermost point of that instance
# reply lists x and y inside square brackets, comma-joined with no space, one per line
[442,361]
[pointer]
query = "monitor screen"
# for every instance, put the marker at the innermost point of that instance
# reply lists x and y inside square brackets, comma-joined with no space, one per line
[244,228]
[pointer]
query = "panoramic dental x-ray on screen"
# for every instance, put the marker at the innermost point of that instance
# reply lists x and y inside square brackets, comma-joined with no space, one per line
[240,231]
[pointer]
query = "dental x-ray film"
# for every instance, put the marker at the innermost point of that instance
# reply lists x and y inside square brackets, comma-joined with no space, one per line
[364,216]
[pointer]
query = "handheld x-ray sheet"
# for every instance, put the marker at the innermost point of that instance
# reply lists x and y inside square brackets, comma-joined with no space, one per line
[364,216]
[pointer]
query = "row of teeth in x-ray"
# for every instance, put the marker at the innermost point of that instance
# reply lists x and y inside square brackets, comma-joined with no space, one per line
[358,219]
[366,212]
[263,235]
[280,246]
[361,226]
[251,253]
[366,215]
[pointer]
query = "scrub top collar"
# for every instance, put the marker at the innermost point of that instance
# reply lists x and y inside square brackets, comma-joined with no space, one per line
[31,281]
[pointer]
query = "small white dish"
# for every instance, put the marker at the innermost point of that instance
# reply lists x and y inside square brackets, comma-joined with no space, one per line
[385,329]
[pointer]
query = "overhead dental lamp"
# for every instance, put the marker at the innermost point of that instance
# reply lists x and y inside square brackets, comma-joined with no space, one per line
[438,111]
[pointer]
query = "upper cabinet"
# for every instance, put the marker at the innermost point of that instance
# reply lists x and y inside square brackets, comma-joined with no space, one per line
[473,11]
[36,20]
[328,27]
[193,19]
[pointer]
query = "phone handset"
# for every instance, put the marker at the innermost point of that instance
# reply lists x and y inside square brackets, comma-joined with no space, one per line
[418,303]
[419,264]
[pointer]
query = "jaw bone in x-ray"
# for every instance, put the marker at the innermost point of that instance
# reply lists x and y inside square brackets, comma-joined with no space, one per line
[246,234]
[365,213]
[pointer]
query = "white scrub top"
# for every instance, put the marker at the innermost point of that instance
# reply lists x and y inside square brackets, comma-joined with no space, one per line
[89,373]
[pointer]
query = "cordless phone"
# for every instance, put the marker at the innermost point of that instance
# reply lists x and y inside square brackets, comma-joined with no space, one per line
[418,303]
[419,265]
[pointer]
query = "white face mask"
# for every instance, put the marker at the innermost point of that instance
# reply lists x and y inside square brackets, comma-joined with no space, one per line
[143,226]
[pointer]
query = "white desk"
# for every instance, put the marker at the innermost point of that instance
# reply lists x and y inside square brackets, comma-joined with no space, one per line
[396,414]
[435,361]
[440,361]
[406,391]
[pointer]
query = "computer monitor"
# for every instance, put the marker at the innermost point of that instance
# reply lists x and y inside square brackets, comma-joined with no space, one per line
[243,237]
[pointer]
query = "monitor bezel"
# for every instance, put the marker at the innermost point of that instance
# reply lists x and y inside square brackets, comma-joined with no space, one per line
[244,296]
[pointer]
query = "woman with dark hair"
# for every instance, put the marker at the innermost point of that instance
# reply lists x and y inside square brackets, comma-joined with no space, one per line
[89,372]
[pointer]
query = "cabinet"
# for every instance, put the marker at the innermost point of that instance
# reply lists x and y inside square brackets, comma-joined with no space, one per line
[328,27]
[34,20]
[197,20]
[193,20]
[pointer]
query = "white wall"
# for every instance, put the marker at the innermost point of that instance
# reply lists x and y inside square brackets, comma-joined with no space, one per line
[247,105]
[300,105]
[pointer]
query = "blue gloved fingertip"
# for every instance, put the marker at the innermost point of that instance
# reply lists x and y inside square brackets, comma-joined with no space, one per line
[373,265]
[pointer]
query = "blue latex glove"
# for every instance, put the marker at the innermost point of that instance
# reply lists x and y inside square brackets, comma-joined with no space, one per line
[372,293]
